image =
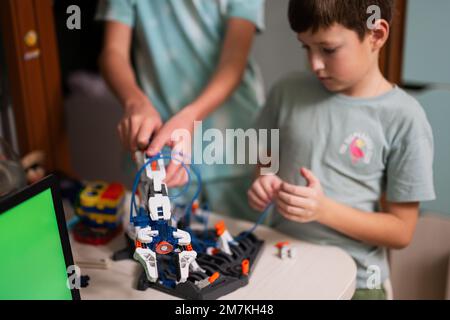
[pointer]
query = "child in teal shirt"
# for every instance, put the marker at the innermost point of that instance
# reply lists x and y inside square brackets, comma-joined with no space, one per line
[190,63]
[356,152]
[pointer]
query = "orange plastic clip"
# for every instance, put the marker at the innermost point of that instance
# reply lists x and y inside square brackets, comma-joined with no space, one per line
[220,228]
[214,277]
[245,267]
[280,245]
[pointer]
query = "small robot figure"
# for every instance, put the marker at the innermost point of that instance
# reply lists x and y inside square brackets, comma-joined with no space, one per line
[153,231]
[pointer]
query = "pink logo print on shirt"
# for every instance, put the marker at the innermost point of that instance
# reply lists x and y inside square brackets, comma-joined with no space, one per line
[359,146]
[356,149]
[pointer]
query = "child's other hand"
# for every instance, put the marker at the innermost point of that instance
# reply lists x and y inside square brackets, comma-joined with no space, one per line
[263,191]
[301,204]
[138,124]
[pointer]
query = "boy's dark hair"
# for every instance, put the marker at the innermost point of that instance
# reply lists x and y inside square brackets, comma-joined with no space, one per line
[312,15]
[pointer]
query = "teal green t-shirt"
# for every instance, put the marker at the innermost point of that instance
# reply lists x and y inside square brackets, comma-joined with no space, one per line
[176,50]
[358,148]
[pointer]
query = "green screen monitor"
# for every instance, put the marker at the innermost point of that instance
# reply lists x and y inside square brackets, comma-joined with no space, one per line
[35,253]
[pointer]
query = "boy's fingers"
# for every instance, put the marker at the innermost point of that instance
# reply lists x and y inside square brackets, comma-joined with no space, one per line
[290,200]
[258,204]
[254,197]
[253,204]
[184,178]
[294,218]
[296,190]
[293,213]
[310,177]
[160,140]
[170,179]
[267,190]
[268,187]
[134,125]
[180,177]
[291,209]
[178,180]
[144,134]
[121,129]
[276,184]
[288,215]
[260,192]
[172,170]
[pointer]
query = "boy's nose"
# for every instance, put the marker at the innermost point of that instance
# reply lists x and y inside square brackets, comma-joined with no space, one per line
[316,63]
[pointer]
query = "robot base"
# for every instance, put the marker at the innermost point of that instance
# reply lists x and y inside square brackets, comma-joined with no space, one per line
[229,267]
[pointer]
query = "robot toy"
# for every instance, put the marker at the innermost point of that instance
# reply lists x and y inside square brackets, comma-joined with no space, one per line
[154,235]
[198,263]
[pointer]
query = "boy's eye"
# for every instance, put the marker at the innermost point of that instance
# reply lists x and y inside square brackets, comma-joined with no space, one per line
[305,47]
[329,50]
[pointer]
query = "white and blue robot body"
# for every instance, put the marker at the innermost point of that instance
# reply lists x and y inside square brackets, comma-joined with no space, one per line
[157,236]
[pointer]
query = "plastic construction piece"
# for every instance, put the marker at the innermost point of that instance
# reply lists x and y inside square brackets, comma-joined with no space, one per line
[93,264]
[84,281]
[285,250]
[245,267]
[94,236]
[224,238]
[99,209]
[101,204]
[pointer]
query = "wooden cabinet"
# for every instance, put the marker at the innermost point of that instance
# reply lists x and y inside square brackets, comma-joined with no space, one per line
[34,80]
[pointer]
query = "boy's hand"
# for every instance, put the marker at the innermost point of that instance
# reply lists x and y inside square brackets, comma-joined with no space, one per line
[263,191]
[138,124]
[177,134]
[301,204]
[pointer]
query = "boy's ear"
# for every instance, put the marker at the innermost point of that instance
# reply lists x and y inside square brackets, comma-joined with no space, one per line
[379,34]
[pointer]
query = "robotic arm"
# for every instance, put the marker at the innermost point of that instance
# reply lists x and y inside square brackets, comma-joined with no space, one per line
[158,237]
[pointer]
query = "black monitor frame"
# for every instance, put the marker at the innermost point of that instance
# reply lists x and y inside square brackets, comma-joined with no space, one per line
[49,182]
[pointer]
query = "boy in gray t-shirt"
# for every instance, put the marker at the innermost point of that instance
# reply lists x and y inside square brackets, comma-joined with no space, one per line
[366,143]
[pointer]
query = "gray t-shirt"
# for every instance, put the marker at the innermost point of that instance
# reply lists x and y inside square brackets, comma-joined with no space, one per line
[358,148]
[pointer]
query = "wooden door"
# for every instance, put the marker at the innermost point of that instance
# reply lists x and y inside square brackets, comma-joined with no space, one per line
[392,54]
[34,82]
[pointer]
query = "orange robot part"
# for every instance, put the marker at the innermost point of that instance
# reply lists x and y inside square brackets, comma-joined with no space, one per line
[245,267]
[220,228]
[164,248]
